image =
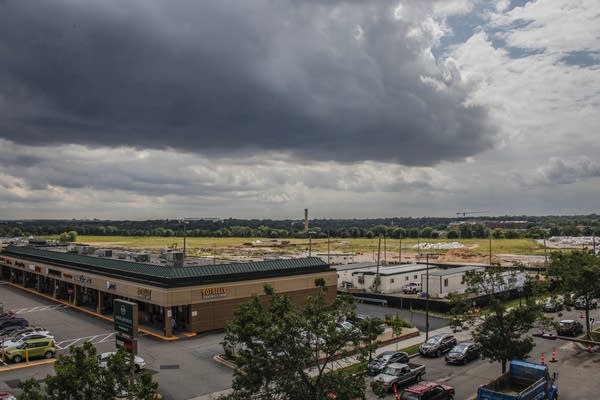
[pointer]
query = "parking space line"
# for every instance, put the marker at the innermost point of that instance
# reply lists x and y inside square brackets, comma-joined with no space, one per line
[100,338]
[38,308]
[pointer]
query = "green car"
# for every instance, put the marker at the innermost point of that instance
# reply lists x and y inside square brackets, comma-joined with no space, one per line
[35,348]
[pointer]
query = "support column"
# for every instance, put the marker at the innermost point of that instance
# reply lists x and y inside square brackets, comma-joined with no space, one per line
[24,273]
[55,285]
[38,278]
[75,297]
[167,321]
[100,306]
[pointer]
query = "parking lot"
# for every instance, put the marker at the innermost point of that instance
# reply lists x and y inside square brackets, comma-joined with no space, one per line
[183,369]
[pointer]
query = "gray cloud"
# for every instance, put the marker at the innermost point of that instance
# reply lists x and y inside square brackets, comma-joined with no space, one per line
[338,81]
[560,171]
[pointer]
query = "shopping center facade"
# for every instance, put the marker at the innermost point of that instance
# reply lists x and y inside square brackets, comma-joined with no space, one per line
[188,298]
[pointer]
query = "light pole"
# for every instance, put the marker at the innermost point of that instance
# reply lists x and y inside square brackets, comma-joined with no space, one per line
[427,294]
[400,250]
[427,297]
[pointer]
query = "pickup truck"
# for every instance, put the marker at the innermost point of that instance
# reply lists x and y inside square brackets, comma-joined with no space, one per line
[523,381]
[400,374]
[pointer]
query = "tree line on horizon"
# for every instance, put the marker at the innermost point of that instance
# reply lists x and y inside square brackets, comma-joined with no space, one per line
[425,227]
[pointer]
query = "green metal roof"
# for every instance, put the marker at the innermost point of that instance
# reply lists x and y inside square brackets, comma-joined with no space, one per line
[167,276]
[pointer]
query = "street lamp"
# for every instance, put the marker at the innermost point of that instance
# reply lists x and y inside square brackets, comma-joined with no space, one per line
[310,233]
[427,294]
[427,297]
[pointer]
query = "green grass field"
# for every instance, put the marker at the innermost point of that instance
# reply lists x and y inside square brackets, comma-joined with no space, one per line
[205,244]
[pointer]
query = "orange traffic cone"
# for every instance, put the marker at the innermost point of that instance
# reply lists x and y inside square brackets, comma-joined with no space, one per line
[542,361]
[554,359]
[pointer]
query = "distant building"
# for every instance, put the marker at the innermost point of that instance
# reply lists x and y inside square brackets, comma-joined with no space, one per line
[391,279]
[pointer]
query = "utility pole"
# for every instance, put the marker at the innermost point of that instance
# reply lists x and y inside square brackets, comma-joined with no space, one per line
[377,274]
[328,247]
[490,249]
[545,255]
[400,250]
[384,251]
[427,297]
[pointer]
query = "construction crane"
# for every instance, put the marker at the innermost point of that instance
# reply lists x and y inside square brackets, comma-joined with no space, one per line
[465,213]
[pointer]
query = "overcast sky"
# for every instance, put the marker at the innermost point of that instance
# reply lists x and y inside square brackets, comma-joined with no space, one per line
[146,109]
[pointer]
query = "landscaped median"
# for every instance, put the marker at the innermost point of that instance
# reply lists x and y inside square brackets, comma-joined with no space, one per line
[386,338]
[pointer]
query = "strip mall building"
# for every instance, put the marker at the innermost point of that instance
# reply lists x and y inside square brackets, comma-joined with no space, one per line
[193,298]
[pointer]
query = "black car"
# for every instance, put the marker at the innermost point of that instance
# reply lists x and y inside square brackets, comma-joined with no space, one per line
[438,344]
[569,327]
[22,322]
[552,305]
[379,363]
[462,353]
[9,330]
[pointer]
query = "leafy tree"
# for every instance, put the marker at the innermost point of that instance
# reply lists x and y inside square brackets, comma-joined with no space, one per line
[579,272]
[371,328]
[79,376]
[502,333]
[426,232]
[70,236]
[452,234]
[286,353]
[397,324]
[458,309]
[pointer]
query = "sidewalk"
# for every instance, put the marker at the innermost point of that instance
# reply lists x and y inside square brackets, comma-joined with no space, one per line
[344,362]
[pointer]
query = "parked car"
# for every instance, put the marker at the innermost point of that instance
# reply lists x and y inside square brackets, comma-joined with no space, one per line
[16,321]
[569,327]
[32,348]
[18,331]
[412,288]
[384,359]
[400,374]
[427,391]
[7,314]
[7,396]
[580,303]
[438,344]
[9,330]
[462,353]
[552,305]
[17,340]
[140,363]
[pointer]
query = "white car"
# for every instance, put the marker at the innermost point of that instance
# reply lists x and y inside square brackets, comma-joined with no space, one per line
[140,364]
[19,339]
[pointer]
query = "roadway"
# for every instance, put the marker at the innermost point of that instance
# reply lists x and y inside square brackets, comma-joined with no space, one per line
[185,369]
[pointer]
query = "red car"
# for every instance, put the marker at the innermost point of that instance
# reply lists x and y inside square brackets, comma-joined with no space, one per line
[427,391]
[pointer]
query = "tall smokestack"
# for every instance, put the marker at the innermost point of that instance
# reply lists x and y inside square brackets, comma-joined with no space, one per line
[306,219]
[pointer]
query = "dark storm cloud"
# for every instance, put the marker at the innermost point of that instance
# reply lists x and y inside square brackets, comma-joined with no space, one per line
[321,80]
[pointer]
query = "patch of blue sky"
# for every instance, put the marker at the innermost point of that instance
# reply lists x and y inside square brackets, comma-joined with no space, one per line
[518,3]
[462,27]
[466,25]
[497,37]
[582,58]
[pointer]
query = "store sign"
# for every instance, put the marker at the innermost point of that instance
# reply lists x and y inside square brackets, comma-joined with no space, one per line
[144,293]
[125,317]
[213,293]
[67,276]
[82,279]
[127,343]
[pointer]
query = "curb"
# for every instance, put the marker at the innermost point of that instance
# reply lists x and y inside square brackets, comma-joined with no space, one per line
[30,364]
